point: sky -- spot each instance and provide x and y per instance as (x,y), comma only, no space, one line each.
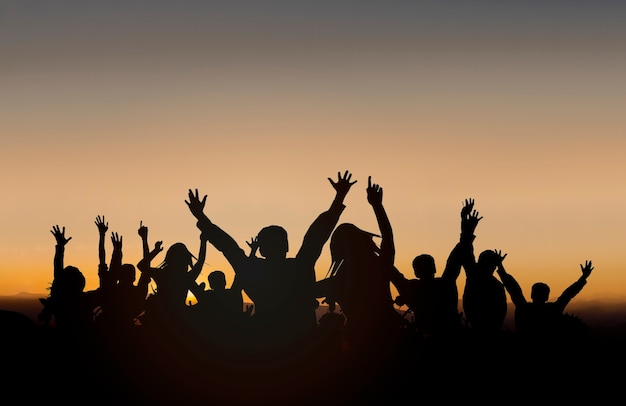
(119,108)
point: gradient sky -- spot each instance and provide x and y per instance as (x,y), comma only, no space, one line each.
(118,108)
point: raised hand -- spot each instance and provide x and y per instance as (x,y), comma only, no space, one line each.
(196,206)
(143,230)
(117,241)
(59,235)
(249,309)
(158,247)
(500,256)
(586,270)
(469,222)
(467,208)
(103,226)
(254,245)
(343,184)
(374,193)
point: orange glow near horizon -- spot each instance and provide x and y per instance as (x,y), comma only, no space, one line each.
(529,124)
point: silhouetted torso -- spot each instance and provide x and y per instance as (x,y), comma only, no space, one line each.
(484,303)
(282,290)
(434,303)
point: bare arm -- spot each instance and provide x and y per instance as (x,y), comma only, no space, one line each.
(145,264)
(402,284)
(321,228)
(462,252)
(116,256)
(143,233)
(103,227)
(574,289)
(510,283)
(103,268)
(342,187)
(375,199)
(221,240)
(144,279)
(59,235)
(197,268)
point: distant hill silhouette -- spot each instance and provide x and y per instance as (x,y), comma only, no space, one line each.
(23,302)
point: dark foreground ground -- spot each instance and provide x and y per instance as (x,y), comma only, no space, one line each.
(39,365)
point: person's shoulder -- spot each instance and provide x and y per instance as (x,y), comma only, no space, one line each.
(249,266)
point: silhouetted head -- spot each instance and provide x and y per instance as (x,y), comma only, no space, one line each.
(540,292)
(178,256)
(127,274)
(349,241)
(217,280)
(488,261)
(273,242)
(424,266)
(69,281)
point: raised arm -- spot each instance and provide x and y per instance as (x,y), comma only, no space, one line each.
(221,240)
(462,252)
(321,228)
(143,233)
(510,284)
(254,246)
(145,277)
(469,221)
(116,256)
(144,265)
(342,187)
(375,199)
(574,289)
(103,268)
(103,227)
(59,253)
(197,267)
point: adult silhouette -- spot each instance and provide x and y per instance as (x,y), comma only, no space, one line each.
(539,318)
(484,297)
(281,288)
(122,300)
(174,278)
(360,280)
(434,300)
(69,306)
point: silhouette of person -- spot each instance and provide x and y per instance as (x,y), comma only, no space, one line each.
(281,288)
(123,301)
(174,278)
(434,300)
(219,313)
(69,306)
(540,318)
(484,296)
(360,281)
(228,300)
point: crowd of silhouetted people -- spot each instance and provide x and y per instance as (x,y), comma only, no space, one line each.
(137,337)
